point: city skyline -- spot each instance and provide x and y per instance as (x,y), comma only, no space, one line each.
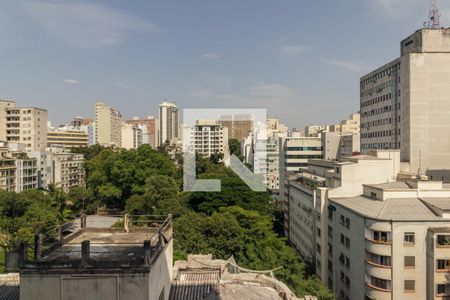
(142,53)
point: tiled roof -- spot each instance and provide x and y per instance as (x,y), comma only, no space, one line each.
(194,285)
(202,278)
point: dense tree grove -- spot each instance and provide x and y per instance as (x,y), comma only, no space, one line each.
(235,221)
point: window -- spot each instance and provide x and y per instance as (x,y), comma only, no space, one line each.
(380,283)
(319,249)
(380,236)
(342,276)
(378,259)
(409,238)
(441,289)
(443,240)
(318,232)
(347,282)
(443,264)
(410,285)
(347,223)
(373,195)
(342,239)
(410,261)
(347,242)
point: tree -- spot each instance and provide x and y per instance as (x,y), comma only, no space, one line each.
(233,192)
(161,197)
(235,148)
(115,175)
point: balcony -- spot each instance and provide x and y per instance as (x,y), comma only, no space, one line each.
(380,247)
(380,271)
(377,293)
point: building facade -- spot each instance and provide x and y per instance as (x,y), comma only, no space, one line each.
(168,128)
(70,138)
(131,136)
(239,126)
(108,125)
(149,130)
(404,104)
(209,137)
(27,125)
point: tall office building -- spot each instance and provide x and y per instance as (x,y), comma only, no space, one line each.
(405,103)
(108,125)
(26,125)
(168,128)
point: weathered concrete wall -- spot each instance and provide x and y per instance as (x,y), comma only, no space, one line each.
(84,286)
(161,274)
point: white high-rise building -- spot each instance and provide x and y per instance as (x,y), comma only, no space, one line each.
(108,125)
(209,137)
(168,128)
(405,103)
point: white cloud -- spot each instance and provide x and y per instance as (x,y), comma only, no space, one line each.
(294,50)
(71,81)
(85,24)
(211,56)
(348,65)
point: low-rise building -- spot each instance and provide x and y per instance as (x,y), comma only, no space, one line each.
(67,138)
(216,279)
(96,261)
(68,170)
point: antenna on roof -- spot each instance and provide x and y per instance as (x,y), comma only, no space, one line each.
(433,16)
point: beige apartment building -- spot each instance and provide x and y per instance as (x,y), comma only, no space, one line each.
(352,125)
(4,105)
(405,103)
(108,125)
(371,230)
(131,136)
(68,170)
(26,125)
(67,138)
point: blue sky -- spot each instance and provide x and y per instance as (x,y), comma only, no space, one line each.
(300,59)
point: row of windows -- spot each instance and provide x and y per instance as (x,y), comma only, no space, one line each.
(379,122)
(375,100)
(382,74)
(303,148)
(384,145)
